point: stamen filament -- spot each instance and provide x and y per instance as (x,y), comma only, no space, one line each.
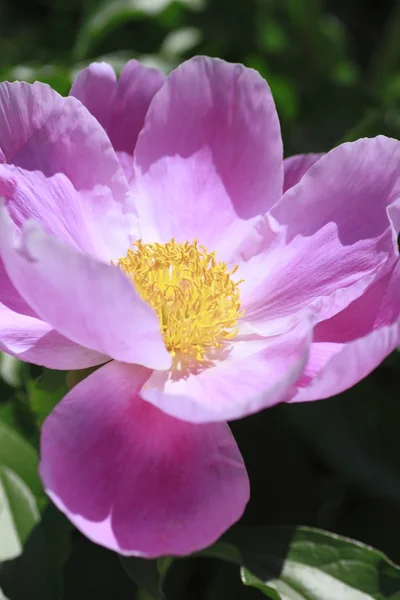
(193,294)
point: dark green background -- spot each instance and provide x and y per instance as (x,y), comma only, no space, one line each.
(334,69)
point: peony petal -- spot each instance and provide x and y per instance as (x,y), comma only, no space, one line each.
(256,374)
(134,479)
(337,234)
(92,303)
(60,169)
(177,199)
(95,87)
(296,166)
(34,341)
(9,295)
(345,365)
(225,114)
(120,106)
(136,88)
(347,347)
(126,161)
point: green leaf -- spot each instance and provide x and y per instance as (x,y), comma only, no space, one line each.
(18,513)
(180,41)
(45,392)
(221,581)
(17,416)
(222,550)
(143,594)
(7,415)
(385,60)
(357,433)
(270,35)
(108,15)
(10,369)
(230,553)
(147,574)
(38,573)
(93,572)
(375,122)
(2,596)
(19,456)
(310,564)
(271,593)
(74,377)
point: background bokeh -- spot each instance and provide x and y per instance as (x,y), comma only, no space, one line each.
(334,70)
(332,64)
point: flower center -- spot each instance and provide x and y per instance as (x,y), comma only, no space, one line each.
(193,295)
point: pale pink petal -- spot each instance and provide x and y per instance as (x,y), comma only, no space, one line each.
(336,234)
(120,106)
(9,295)
(95,87)
(255,374)
(60,169)
(134,479)
(350,345)
(184,199)
(218,118)
(34,341)
(345,365)
(126,161)
(296,166)
(92,303)
(136,88)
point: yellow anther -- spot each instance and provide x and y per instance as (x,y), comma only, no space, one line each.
(193,295)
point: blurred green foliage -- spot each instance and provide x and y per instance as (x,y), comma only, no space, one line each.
(334,69)
(333,66)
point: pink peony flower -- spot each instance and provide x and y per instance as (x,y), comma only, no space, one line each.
(144,229)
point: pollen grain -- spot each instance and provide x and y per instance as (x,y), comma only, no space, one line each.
(193,294)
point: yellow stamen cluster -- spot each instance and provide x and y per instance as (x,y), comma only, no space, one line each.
(193,295)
